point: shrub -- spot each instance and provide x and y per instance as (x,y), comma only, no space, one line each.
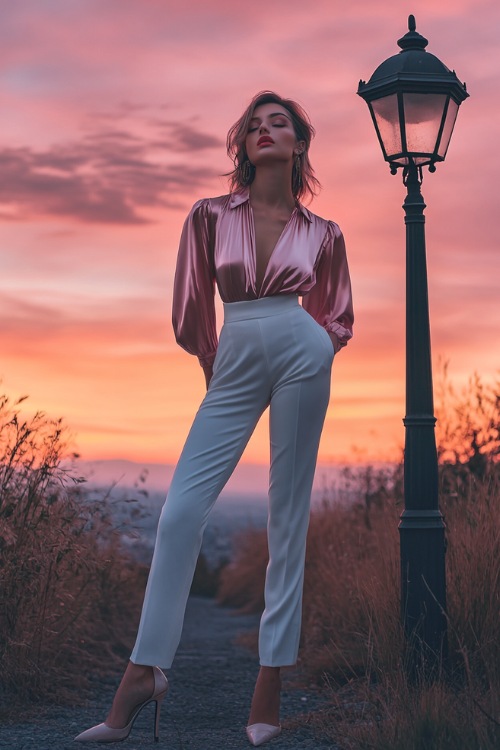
(241,582)
(66,591)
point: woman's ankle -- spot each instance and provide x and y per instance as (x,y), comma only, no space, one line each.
(270,671)
(265,706)
(135,686)
(138,671)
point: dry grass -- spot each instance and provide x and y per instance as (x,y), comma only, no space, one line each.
(395,716)
(66,591)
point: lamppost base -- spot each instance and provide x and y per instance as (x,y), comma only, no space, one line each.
(423,594)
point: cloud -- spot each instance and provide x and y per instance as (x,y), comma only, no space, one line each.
(184,137)
(111,175)
(128,323)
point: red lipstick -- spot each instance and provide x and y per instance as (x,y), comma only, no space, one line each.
(264,139)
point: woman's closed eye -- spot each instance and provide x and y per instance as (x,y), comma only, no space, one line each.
(275,124)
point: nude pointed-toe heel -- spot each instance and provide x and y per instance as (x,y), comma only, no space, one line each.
(103,733)
(260,733)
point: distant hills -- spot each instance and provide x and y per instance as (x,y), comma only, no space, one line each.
(242,504)
(248,479)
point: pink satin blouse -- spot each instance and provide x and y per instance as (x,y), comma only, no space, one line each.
(217,246)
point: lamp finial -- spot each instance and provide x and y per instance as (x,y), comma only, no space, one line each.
(412,39)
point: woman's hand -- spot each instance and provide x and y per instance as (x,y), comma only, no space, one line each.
(335,341)
(209,371)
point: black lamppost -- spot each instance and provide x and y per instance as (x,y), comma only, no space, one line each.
(414,100)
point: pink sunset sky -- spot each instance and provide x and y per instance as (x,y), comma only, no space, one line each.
(114,116)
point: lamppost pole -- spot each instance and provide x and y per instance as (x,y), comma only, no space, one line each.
(413,100)
(422,528)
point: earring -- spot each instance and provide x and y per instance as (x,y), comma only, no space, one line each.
(297,174)
(246,171)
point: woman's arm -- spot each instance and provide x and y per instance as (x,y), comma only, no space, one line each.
(330,300)
(193,309)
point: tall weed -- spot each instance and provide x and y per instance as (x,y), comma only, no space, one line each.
(66,590)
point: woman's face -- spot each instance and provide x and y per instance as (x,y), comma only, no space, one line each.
(271,136)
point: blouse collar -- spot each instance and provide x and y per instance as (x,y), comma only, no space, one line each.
(243,196)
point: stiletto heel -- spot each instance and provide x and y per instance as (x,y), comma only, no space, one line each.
(158,703)
(103,733)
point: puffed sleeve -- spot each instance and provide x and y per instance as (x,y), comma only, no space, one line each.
(330,300)
(193,309)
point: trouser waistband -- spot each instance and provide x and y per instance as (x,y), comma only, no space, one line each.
(263,307)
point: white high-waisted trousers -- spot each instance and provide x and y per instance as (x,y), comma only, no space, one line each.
(271,353)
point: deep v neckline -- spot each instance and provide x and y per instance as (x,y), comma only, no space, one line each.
(258,289)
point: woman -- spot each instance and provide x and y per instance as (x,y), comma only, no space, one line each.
(263,249)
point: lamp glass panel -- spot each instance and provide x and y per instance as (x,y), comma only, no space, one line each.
(449,124)
(423,114)
(387,119)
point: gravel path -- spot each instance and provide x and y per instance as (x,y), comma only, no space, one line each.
(211,684)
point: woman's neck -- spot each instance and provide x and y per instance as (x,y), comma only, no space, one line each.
(272,187)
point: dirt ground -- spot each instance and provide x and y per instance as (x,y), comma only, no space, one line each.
(211,684)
